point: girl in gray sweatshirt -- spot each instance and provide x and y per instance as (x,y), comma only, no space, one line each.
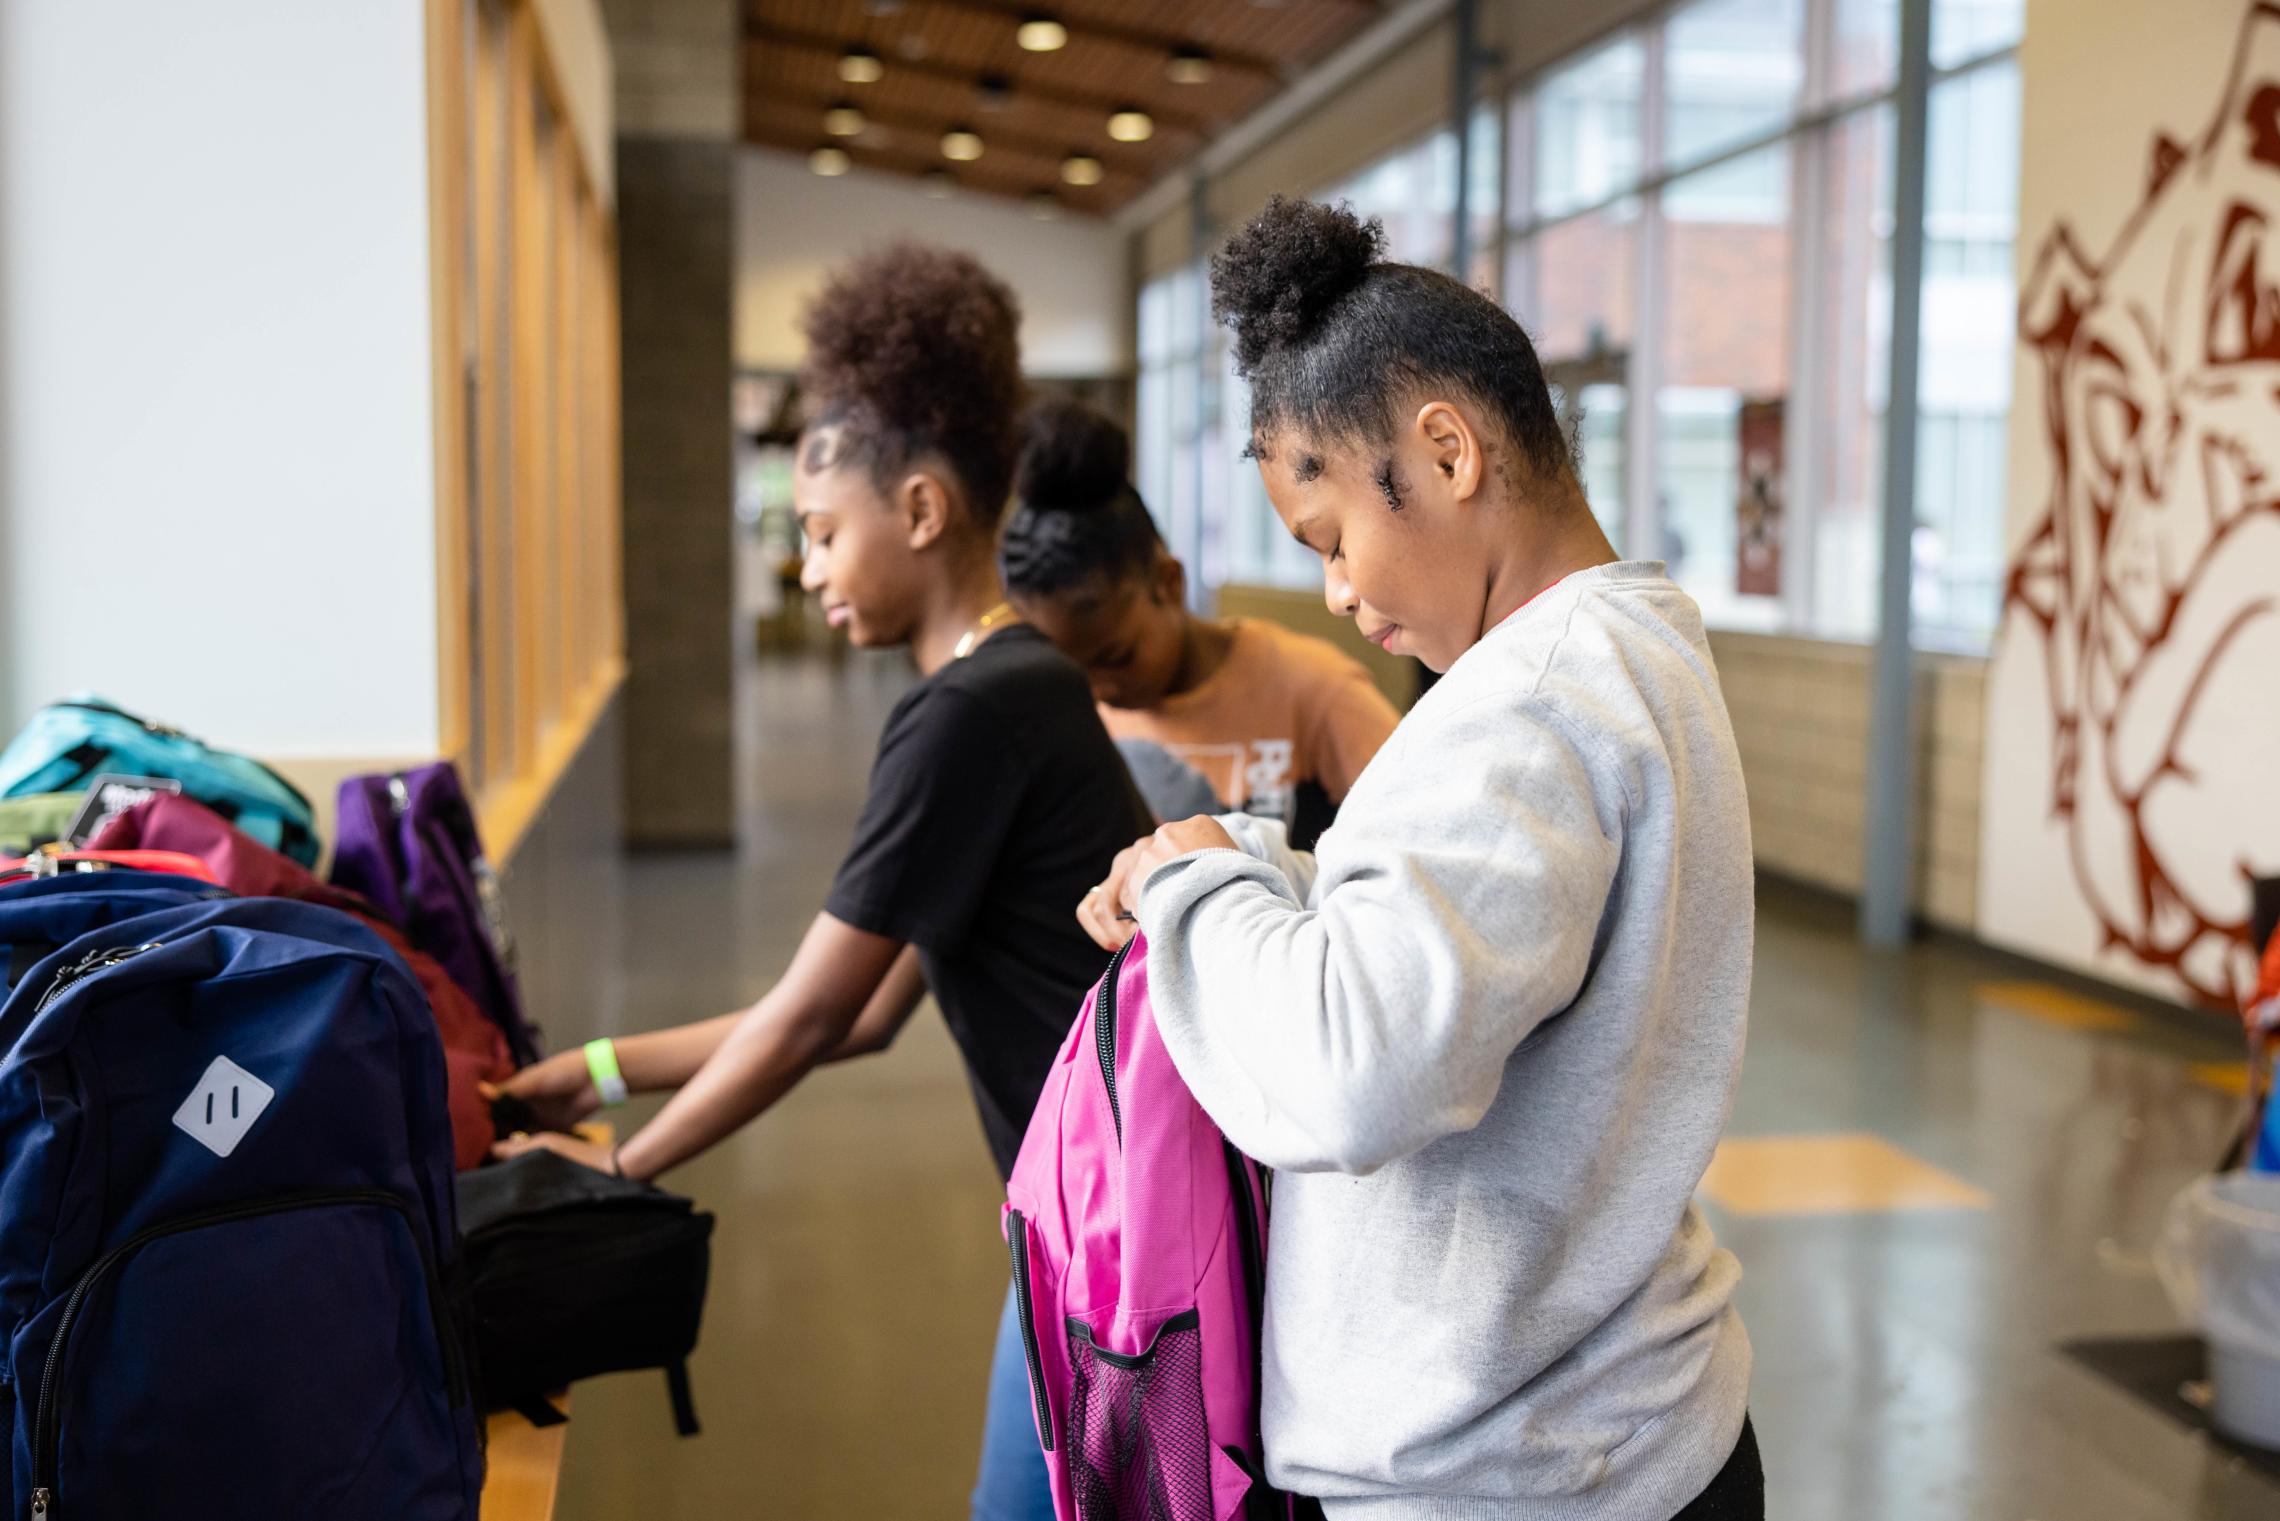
(1488,1032)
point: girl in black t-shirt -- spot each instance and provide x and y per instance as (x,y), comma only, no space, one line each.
(996,798)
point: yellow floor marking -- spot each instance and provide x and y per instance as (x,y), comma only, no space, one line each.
(2228,1078)
(2056,1006)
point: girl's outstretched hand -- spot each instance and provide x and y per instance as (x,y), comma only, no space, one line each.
(1107,911)
(559,1090)
(577,1148)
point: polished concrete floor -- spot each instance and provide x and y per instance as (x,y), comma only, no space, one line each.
(1939,1169)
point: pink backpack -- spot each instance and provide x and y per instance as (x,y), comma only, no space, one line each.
(1138,1237)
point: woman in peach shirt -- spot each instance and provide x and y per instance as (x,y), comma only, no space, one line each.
(1213,716)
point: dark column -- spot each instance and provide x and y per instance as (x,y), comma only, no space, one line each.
(675,237)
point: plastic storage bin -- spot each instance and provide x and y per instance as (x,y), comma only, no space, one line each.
(2220,1260)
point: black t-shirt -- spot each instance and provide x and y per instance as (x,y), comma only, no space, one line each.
(996,800)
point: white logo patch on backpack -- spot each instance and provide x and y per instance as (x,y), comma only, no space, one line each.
(223,1107)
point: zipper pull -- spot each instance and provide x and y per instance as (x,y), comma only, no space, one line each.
(87,966)
(399,796)
(39,1505)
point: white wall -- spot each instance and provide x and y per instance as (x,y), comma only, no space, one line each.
(216,470)
(792,227)
(2132,739)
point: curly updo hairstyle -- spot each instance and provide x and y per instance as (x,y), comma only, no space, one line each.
(1076,519)
(1332,338)
(914,351)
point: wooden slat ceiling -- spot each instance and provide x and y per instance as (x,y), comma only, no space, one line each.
(938,53)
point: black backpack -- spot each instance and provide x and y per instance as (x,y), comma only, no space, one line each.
(571,1272)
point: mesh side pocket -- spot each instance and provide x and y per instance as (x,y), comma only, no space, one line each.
(1138,1447)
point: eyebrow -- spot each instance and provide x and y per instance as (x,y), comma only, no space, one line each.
(1304,526)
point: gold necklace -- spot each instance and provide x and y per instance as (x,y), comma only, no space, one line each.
(982,625)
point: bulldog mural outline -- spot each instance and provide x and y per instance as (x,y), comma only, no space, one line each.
(2150,577)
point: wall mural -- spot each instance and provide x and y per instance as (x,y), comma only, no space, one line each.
(2148,578)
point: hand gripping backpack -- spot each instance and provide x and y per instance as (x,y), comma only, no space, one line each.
(408,842)
(1138,1238)
(474,1049)
(226,1172)
(68,744)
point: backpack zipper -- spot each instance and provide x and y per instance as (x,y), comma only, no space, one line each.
(1252,1243)
(168,731)
(1253,1240)
(1104,1035)
(45,1436)
(87,966)
(1017,1240)
(164,731)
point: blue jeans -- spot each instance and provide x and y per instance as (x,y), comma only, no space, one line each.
(1013,1485)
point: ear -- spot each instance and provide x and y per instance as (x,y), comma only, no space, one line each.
(925,506)
(1167,585)
(1452,444)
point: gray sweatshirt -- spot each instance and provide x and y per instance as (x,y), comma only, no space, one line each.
(1489,1033)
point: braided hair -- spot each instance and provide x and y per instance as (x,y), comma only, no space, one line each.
(1076,518)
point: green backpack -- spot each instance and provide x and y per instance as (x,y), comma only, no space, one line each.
(26,823)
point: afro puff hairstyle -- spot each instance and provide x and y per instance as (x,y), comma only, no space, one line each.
(1076,519)
(1332,338)
(914,351)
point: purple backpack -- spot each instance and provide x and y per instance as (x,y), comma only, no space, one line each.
(408,842)
(1138,1236)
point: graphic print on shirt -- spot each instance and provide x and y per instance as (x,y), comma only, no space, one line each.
(1182,780)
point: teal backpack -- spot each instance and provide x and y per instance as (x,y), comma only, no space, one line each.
(70,743)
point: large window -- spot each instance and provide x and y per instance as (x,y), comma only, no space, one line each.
(1705,220)
(1172,342)
(1693,220)
(531,636)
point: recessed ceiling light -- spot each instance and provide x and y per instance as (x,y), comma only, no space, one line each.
(938,183)
(844,119)
(1081,168)
(1040,33)
(860,66)
(1045,206)
(1130,124)
(994,91)
(830,162)
(1188,66)
(962,143)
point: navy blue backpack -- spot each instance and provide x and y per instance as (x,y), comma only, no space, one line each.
(225,1281)
(41,915)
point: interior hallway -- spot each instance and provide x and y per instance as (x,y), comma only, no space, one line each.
(1938,1170)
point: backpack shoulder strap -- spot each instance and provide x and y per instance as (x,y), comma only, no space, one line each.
(684,1405)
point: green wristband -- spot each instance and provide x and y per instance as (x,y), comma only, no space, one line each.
(602,1066)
